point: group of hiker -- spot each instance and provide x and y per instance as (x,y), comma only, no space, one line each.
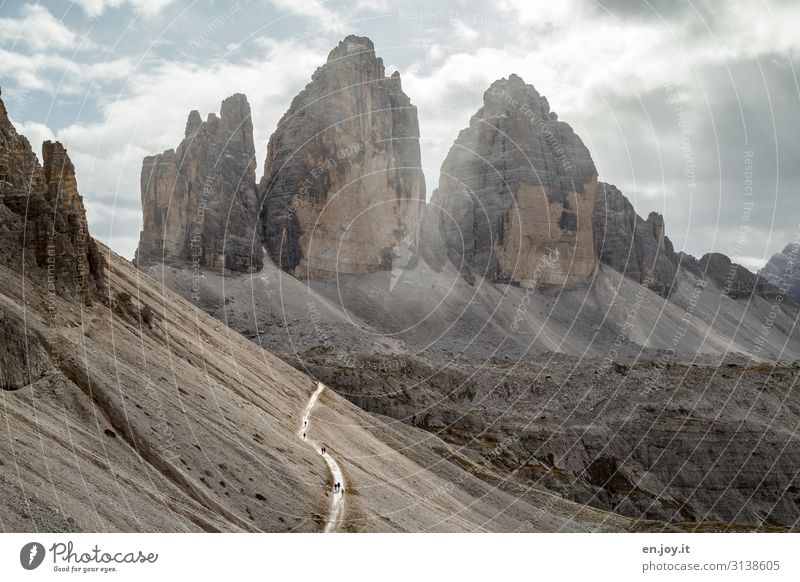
(337,487)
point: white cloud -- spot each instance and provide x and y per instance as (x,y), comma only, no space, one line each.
(463,32)
(544,13)
(57,74)
(39,30)
(372,5)
(316,10)
(145,7)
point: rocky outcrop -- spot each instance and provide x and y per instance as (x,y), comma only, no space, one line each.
(199,201)
(733,279)
(44,233)
(783,271)
(23,357)
(516,194)
(633,246)
(343,190)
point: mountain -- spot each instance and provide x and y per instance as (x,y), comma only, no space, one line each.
(516,194)
(125,408)
(540,326)
(783,272)
(343,192)
(199,201)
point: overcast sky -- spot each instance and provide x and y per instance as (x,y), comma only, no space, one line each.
(669,96)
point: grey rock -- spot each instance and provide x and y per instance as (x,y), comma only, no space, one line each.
(199,201)
(343,191)
(516,194)
(23,358)
(732,278)
(43,229)
(633,246)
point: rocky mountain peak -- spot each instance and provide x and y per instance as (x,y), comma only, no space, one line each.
(45,234)
(193,123)
(783,271)
(504,94)
(353,45)
(199,201)
(235,109)
(516,194)
(342,187)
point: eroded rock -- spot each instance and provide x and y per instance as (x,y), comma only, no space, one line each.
(44,233)
(199,200)
(635,247)
(516,194)
(343,190)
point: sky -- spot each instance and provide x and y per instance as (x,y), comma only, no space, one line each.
(691,108)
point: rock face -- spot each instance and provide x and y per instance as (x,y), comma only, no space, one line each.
(199,201)
(343,191)
(633,246)
(733,279)
(783,271)
(44,233)
(516,194)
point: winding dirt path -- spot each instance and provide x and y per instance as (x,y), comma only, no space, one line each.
(337,499)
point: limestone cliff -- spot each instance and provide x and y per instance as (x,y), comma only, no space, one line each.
(343,191)
(199,201)
(44,234)
(635,247)
(516,194)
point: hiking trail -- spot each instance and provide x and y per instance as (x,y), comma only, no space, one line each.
(337,501)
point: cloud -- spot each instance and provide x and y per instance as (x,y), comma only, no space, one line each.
(146,7)
(54,73)
(372,4)
(39,30)
(315,10)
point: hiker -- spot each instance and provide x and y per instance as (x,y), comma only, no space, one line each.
(304,436)
(323,450)
(305,423)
